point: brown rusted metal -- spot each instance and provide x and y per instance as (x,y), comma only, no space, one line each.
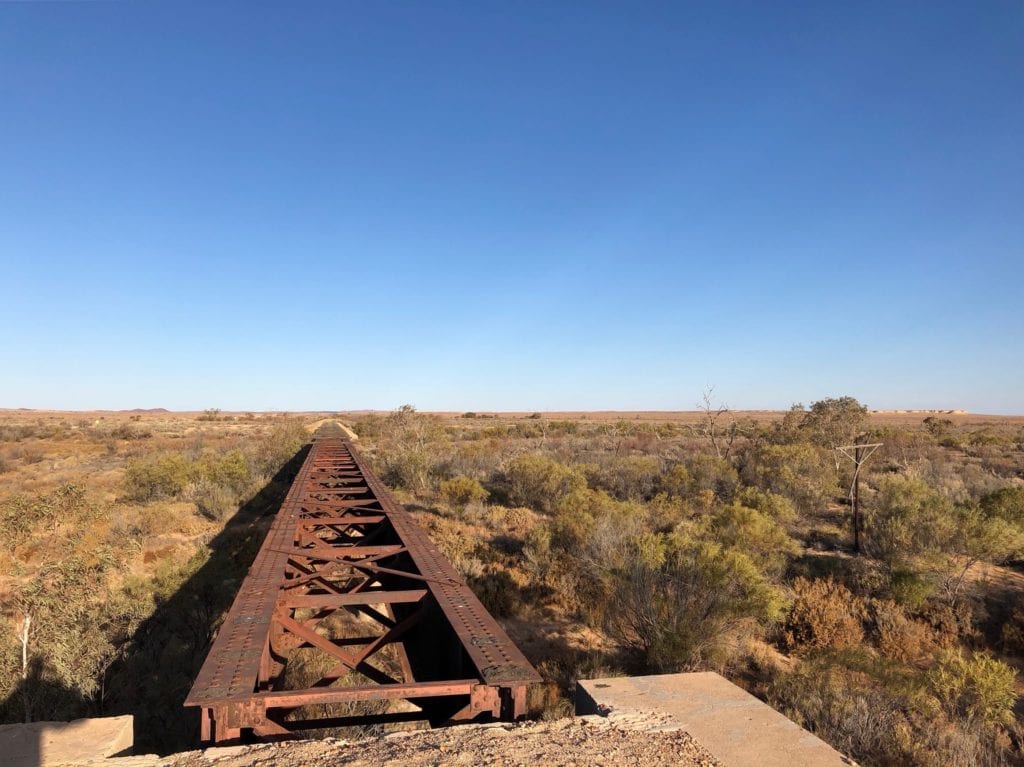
(340,545)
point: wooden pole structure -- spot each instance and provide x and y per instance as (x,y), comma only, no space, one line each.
(859,455)
(856,500)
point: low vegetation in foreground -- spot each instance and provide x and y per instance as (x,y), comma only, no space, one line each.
(613,547)
(126,539)
(604,547)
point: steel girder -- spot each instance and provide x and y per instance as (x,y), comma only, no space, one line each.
(341,546)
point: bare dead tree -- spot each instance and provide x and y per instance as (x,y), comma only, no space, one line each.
(717,423)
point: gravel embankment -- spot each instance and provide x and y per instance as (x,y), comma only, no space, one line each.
(577,742)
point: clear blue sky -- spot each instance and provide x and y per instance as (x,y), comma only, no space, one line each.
(511,205)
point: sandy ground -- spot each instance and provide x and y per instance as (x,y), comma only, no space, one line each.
(879,417)
(580,742)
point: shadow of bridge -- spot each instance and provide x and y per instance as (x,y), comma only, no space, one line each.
(158,663)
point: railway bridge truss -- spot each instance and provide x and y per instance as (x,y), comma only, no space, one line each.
(349,615)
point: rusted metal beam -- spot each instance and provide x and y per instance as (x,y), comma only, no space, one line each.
(286,699)
(326,552)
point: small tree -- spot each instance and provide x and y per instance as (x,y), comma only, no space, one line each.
(833,422)
(675,604)
(980,537)
(716,424)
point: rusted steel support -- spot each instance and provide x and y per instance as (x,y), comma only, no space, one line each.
(341,559)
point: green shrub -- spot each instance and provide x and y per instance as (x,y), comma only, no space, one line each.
(152,477)
(675,603)
(708,473)
(907,519)
(22,515)
(910,589)
(540,482)
(461,491)
(980,688)
(755,534)
(408,469)
(834,422)
(776,506)
(537,551)
(229,470)
(676,482)
(876,722)
(1006,503)
(803,473)
(275,449)
(591,524)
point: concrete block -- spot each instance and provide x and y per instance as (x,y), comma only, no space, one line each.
(737,728)
(43,744)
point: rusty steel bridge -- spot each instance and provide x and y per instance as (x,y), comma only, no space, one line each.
(346,571)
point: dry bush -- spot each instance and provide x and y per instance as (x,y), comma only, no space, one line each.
(479,458)
(629,478)
(518,519)
(951,622)
(128,432)
(31,454)
(1011,633)
(553,699)
(498,590)
(878,723)
(899,637)
(213,501)
(825,614)
(305,667)
(547,702)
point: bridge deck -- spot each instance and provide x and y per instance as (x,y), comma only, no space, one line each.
(341,543)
